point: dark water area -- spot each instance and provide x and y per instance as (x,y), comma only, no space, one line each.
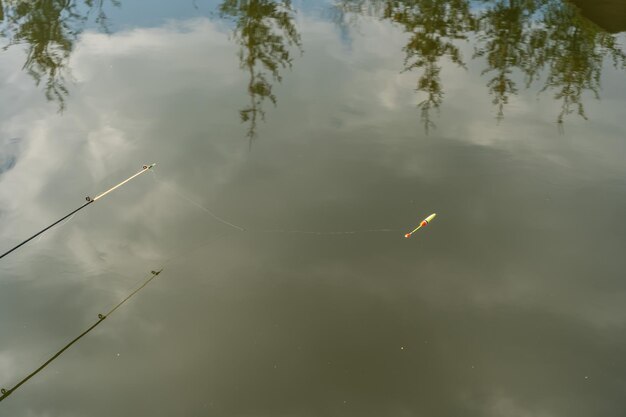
(610,15)
(296,144)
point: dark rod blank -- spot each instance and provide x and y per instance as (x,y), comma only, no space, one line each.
(43,230)
(89,201)
(6,392)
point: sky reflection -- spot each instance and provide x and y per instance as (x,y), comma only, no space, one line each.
(511,304)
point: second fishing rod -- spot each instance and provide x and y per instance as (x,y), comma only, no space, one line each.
(89,201)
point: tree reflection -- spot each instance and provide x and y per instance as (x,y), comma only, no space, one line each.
(527,40)
(48,30)
(507,42)
(433,26)
(575,51)
(536,35)
(265,32)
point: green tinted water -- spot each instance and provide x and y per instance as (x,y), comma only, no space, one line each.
(326,131)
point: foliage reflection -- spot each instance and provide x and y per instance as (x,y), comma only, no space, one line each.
(541,41)
(548,44)
(265,32)
(48,30)
(432,27)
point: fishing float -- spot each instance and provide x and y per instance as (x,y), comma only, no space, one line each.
(89,201)
(422,224)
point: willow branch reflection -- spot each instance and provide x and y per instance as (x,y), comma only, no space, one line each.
(533,36)
(575,51)
(433,26)
(48,29)
(532,40)
(507,42)
(265,32)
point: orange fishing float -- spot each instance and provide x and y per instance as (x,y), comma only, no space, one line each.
(422,224)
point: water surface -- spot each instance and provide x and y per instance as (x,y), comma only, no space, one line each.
(326,131)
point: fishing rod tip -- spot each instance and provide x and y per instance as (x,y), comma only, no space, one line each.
(149,166)
(408,235)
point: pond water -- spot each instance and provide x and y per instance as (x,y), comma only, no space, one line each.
(296,144)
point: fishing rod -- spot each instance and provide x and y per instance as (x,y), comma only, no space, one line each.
(4,393)
(89,201)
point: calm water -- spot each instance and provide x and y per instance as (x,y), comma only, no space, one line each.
(326,131)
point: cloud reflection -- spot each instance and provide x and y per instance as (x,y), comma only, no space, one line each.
(266,32)
(548,43)
(48,30)
(495,307)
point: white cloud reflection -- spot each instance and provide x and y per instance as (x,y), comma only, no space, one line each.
(339,141)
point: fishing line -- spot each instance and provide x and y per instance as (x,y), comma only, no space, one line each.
(89,201)
(307,232)
(6,392)
(245,229)
(195,203)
